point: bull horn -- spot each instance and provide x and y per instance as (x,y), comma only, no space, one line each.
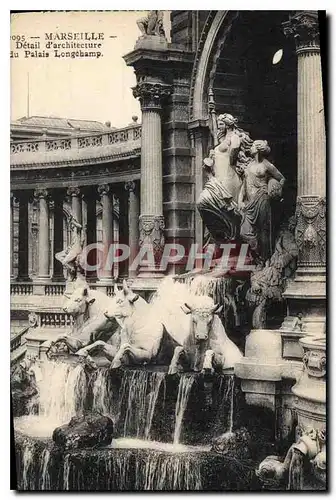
(217,308)
(187,306)
(134,298)
(67,295)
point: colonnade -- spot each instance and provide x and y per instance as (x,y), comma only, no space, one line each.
(117,201)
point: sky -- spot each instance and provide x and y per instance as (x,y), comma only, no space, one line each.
(92,89)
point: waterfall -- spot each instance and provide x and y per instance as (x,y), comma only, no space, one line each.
(185,384)
(230,393)
(138,396)
(169,472)
(66,473)
(27,465)
(44,471)
(101,396)
(62,391)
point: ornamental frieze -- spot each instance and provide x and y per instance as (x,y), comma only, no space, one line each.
(151,229)
(310,230)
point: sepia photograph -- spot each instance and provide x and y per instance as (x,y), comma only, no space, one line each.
(168,250)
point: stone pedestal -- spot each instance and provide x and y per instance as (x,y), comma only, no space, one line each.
(310,390)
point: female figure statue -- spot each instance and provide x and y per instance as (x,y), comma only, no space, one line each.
(262,182)
(217,203)
(68,257)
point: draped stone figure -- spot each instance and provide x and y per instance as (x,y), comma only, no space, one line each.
(69,256)
(225,166)
(152,25)
(262,183)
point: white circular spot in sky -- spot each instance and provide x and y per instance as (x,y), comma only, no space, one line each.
(277,56)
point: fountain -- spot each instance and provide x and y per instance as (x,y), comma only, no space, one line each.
(154,396)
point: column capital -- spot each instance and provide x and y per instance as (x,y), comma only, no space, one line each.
(41,193)
(304,27)
(151,94)
(103,189)
(130,186)
(73,191)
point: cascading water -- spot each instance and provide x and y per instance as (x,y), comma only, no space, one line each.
(101,395)
(45,483)
(62,391)
(230,394)
(185,384)
(138,396)
(170,472)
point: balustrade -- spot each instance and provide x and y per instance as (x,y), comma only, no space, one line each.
(79,142)
(21,289)
(16,340)
(54,290)
(55,320)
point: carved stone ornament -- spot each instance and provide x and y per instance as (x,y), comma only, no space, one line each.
(151,228)
(103,189)
(151,94)
(310,231)
(304,27)
(32,319)
(73,191)
(315,363)
(41,193)
(130,186)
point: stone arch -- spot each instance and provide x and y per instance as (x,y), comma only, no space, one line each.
(215,31)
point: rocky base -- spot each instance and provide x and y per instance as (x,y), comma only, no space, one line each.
(90,430)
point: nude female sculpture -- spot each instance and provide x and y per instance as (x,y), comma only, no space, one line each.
(217,203)
(262,182)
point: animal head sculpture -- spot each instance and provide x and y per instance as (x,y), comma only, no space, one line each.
(78,301)
(122,305)
(202,313)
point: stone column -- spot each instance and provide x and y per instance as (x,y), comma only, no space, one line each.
(123,236)
(151,221)
(23,237)
(91,229)
(58,274)
(107,228)
(309,283)
(76,202)
(133,222)
(43,231)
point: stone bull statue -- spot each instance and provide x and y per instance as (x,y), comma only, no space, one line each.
(90,323)
(207,347)
(143,337)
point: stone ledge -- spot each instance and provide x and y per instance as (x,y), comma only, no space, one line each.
(177,152)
